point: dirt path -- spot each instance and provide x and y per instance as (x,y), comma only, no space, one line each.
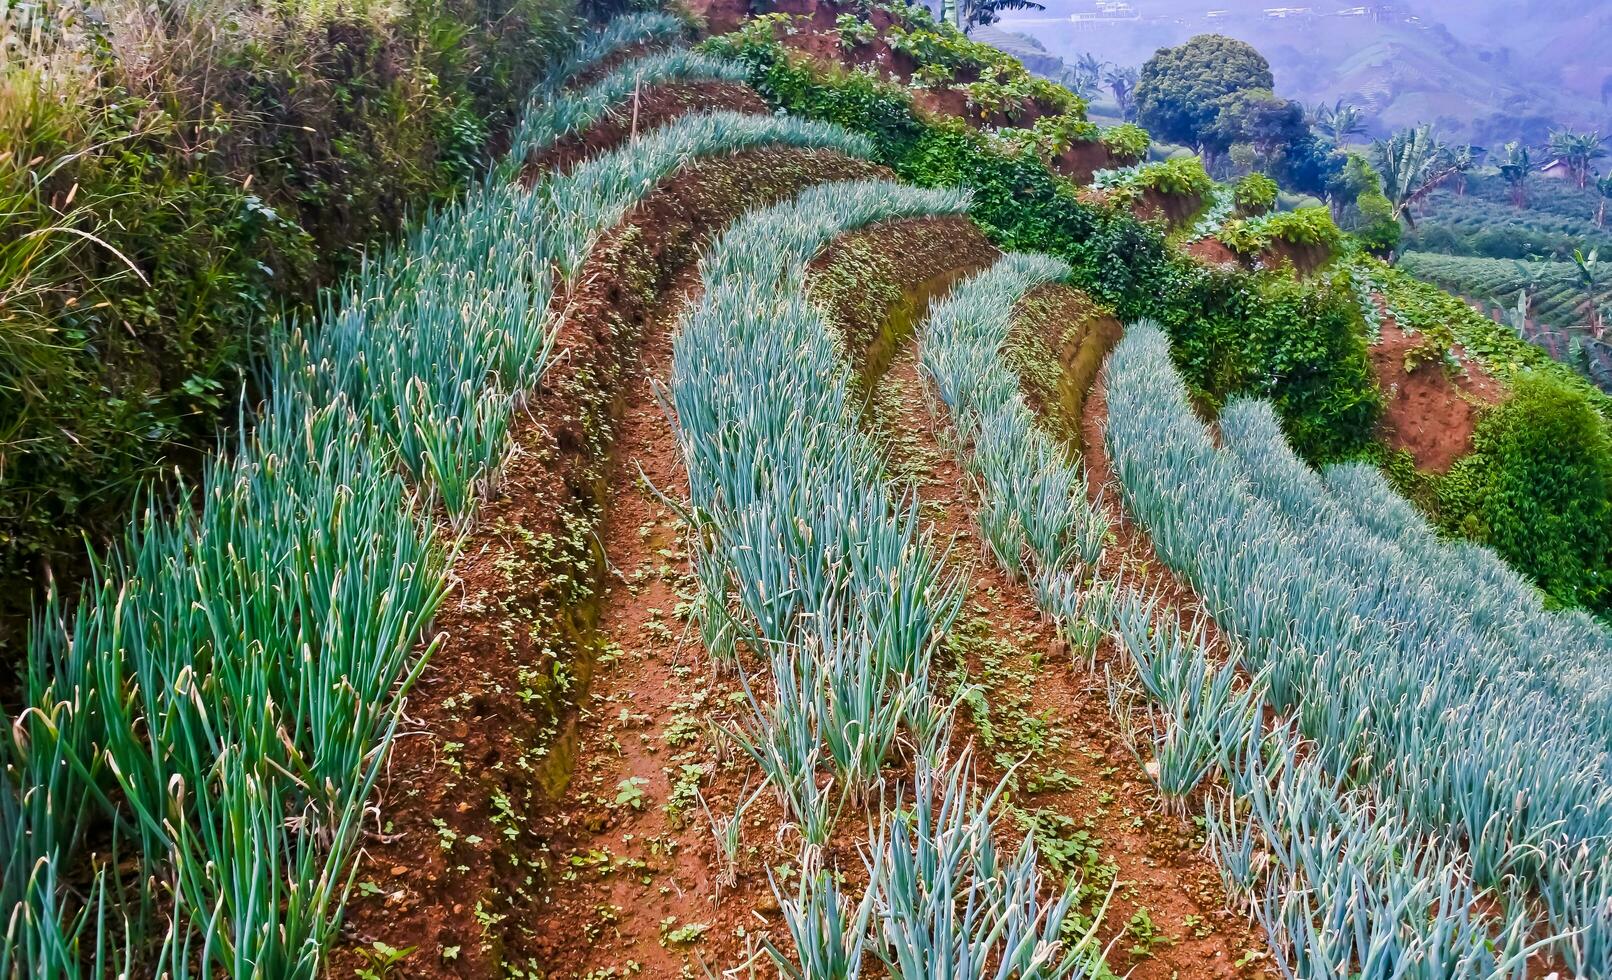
(637,889)
(1078,790)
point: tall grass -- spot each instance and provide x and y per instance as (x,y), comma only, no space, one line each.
(219,703)
(1480,727)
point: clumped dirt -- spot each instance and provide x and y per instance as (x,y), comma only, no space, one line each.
(1081,160)
(460,853)
(1304,258)
(1432,411)
(655,106)
(1175,210)
(1212,251)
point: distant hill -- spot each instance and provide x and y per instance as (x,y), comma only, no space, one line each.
(1484,71)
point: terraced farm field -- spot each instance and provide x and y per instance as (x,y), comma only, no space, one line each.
(1555,295)
(707,548)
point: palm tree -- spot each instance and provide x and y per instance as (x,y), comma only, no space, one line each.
(1413,162)
(1577,150)
(1515,166)
(1122,82)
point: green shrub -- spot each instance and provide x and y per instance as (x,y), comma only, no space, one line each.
(224,184)
(1537,487)
(1181,175)
(1255,193)
(1306,226)
(1127,140)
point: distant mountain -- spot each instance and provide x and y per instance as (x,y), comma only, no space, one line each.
(1483,70)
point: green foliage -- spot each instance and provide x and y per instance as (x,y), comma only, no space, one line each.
(1234,331)
(1180,92)
(1554,293)
(210,217)
(1422,307)
(1306,226)
(1127,140)
(1537,488)
(1255,193)
(1055,134)
(1183,176)
(854,31)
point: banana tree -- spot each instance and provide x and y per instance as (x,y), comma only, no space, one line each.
(1413,164)
(1591,274)
(1578,151)
(1515,166)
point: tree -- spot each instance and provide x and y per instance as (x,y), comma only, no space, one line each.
(1413,163)
(1338,121)
(1577,150)
(1179,91)
(1258,117)
(964,14)
(1122,82)
(1084,76)
(1604,188)
(1590,271)
(1515,166)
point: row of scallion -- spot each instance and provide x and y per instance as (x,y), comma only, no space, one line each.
(1034,515)
(1437,798)
(205,725)
(552,117)
(1348,872)
(807,559)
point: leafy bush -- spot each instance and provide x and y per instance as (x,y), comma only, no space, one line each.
(224,181)
(1306,226)
(1183,176)
(1255,193)
(1537,487)
(1127,140)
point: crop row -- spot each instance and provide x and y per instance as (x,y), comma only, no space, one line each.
(805,555)
(1325,866)
(1438,702)
(222,698)
(1555,295)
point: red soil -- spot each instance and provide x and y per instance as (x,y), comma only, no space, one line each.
(1212,251)
(462,852)
(1432,411)
(656,106)
(1157,857)
(1081,160)
(1174,209)
(1304,258)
